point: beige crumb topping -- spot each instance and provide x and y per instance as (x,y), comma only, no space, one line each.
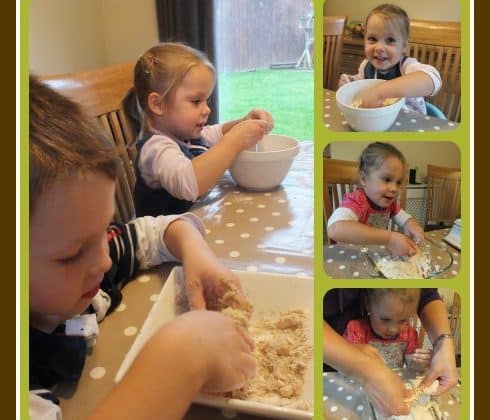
(283,349)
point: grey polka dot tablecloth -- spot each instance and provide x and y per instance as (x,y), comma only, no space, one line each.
(356,261)
(251,231)
(406,120)
(345,399)
(264,231)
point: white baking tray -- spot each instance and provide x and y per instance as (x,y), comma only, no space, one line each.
(269,294)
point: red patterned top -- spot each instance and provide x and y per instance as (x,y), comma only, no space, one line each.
(358,331)
(358,202)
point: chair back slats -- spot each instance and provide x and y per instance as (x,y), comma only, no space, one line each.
(333,31)
(438,43)
(101,93)
(339,178)
(443,195)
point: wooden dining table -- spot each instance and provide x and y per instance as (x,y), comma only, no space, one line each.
(357,261)
(268,231)
(344,398)
(406,120)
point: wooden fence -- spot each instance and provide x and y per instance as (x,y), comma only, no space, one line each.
(253,34)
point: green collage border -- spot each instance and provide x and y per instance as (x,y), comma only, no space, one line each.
(461,137)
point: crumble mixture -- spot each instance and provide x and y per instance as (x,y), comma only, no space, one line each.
(417,266)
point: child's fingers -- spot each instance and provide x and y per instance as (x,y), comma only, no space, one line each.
(195,294)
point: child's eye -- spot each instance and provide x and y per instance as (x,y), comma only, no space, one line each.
(72,258)
(391,40)
(371,39)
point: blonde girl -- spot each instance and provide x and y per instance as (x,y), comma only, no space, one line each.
(180,157)
(387,328)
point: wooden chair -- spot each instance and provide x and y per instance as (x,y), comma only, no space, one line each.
(101,92)
(443,195)
(454,318)
(333,31)
(339,178)
(438,43)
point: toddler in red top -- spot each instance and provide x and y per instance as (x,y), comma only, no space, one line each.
(387,328)
(365,214)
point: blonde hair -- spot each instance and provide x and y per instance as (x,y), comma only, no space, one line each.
(163,67)
(63,141)
(409,297)
(373,156)
(394,17)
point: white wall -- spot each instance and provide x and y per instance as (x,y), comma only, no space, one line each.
(416,9)
(74,35)
(129,29)
(65,36)
(417,154)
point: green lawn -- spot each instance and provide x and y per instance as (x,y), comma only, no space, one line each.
(286,94)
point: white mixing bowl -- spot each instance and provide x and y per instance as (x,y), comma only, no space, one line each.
(366,119)
(265,169)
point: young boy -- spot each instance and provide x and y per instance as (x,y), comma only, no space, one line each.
(77,266)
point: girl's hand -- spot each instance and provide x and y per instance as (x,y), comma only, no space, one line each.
(260,114)
(401,245)
(420,360)
(247,133)
(372,99)
(413,229)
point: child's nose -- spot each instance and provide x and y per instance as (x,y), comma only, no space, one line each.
(206,109)
(102,261)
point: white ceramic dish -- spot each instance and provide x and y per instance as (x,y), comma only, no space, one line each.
(366,119)
(269,293)
(265,168)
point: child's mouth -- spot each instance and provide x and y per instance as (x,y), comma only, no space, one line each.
(92,292)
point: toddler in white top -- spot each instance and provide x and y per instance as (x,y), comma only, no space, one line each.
(385,40)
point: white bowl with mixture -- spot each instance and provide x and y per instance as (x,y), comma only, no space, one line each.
(265,167)
(366,119)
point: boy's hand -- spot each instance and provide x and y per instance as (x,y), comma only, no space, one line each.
(401,245)
(247,133)
(260,114)
(413,229)
(212,286)
(221,351)
(420,359)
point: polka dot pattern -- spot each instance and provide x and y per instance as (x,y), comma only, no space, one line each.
(97,372)
(354,261)
(130,331)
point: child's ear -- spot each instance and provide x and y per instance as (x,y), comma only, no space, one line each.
(362,178)
(155,104)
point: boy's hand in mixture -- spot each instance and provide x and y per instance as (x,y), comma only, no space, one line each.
(401,245)
(210,285)
(213,350)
